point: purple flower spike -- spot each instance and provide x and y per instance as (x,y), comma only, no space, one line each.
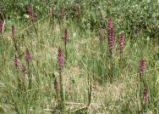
(141,66)
(55,84)
(121,41)
(23,68)
(100,32)
(52,11)
(60,58)
(49,12)
(66,36)
(78,10)
(62,13)
(1,26)
(109,24)
(30,13)
(145,94)
(27,56)
(16,61)
(110,34)
(13,30)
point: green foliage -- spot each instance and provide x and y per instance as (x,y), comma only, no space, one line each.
(15,9)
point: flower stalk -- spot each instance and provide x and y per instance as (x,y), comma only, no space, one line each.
(13,37)
(30,11)
(110,32)
(65,41)
(56,88)
(27,58)
(121,42)
(142,65)
(1,27)
(60,60)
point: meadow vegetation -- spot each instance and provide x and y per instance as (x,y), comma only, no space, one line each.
(79,56)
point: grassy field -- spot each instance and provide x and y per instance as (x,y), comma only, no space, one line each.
(73,61)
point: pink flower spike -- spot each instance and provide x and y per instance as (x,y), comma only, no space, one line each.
(49,12)
(110,31)
(30,13)
(109,24)
(52,11)
(141,66)
(55,84)
(1,26)
(66,36)
(78,10)
(145,94)
(62,13)
(60,58)
(16,61)
(23,68)
(121,41)
(100,31)
(27,56)
(13,30)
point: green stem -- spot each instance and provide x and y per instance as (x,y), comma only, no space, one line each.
(61,91)
(65,51)
(35,30)
(30,77)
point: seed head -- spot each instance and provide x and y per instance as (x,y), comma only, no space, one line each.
(60,58)
(142,65)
